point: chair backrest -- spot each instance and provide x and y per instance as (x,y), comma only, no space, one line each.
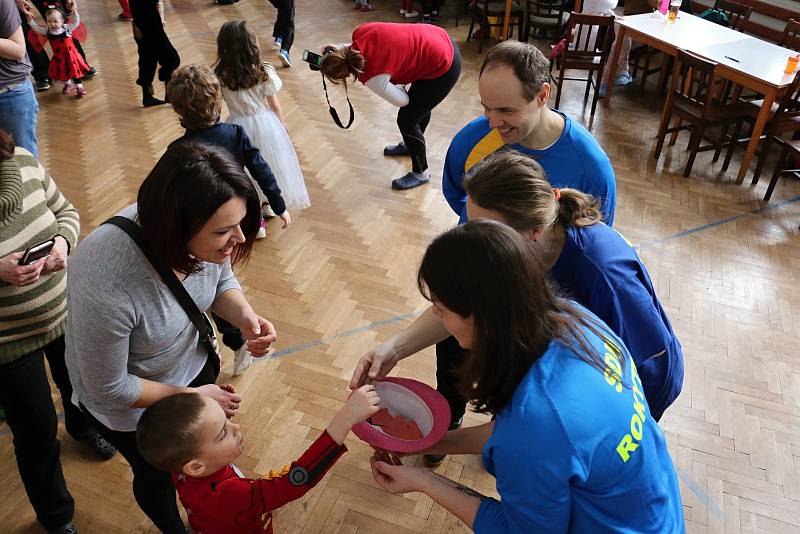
(694,81)
(590,38)
(789,105)
(546,9)
(738,14)
(791,35)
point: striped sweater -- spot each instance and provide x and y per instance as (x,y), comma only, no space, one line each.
(32,210)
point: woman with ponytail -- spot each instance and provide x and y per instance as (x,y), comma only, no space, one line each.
(590,261)
(386,57)
(571,443)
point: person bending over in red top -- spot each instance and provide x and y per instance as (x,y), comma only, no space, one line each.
(386,57)
(189,435)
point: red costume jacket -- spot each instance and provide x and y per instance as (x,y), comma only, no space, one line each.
(226,503)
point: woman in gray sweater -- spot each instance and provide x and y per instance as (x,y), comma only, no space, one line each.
(129,342)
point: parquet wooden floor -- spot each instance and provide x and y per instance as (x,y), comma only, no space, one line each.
(341,279)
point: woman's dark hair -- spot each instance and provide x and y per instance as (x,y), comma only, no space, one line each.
(239,64)
(342,63)
(515,185)
(486,270)
(6,146)
(183,191)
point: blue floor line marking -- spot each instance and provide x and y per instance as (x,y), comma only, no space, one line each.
(720,222)
(701,494)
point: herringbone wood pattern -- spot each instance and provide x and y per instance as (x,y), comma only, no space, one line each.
(341,279)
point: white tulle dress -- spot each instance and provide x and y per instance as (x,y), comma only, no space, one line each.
(249,109)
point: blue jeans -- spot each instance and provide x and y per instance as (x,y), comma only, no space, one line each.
(18,110)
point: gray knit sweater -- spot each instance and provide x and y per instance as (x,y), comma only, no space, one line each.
(32,210)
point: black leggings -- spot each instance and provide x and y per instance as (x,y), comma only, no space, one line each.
(152,488)
(423,96)
(152,43)
(284,24)
(449,357)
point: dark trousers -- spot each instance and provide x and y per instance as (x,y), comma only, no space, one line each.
(449,357)
(153,488)
(284,24)
(152,43)
(231,336)
(31,416)
(423,96)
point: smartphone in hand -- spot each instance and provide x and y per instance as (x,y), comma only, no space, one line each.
(36,252)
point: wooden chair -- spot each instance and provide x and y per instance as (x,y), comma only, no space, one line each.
(590,44)
(484,9)
(785,119)
(691,98)
(738,14)
(791,152)
(547,15)
(791,35)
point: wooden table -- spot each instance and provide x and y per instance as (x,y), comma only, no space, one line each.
(747,61)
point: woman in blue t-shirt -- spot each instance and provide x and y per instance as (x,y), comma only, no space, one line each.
(590,261)
(573,445)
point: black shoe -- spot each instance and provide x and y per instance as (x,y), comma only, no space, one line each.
(102,447)
(148,100)
(69,528)
(91,73)
(408,181)
(42,85)
(433,460)
(400,149)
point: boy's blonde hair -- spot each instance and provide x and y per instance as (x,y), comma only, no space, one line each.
(196,96)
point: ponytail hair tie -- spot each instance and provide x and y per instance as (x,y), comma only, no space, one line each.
(557,194)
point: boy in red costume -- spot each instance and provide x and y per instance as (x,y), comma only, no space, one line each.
(189,435)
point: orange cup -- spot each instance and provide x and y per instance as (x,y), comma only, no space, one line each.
(791,64)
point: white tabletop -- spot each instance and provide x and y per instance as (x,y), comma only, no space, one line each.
(688,32)
(752,57)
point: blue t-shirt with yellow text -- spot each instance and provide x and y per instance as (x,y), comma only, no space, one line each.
(577,451)
(575,160)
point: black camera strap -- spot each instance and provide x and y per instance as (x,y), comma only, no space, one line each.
(332,110)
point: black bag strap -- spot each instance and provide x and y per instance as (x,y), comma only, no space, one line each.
(197,317)
(332,110)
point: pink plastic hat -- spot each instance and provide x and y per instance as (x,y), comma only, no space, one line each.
(413,400)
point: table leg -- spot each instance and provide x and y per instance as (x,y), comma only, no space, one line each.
(506,19)
(761,121)
(614,62)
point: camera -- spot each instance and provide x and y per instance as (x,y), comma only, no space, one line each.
(314,60)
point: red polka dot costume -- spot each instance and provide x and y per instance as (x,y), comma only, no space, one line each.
(66,63)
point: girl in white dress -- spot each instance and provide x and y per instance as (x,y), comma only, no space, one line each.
(250,87)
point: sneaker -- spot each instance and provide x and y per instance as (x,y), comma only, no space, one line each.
(601,91)
(100,445)
(623,79)
(278,42)
(80,91)
(367,7)
(262,231)
(284,57)
(403,11)
(69,528)
(433,460)
(411,14)
(399,149)
(68,89)
(91,73)
(242,359)
(42,85)
(408,181)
